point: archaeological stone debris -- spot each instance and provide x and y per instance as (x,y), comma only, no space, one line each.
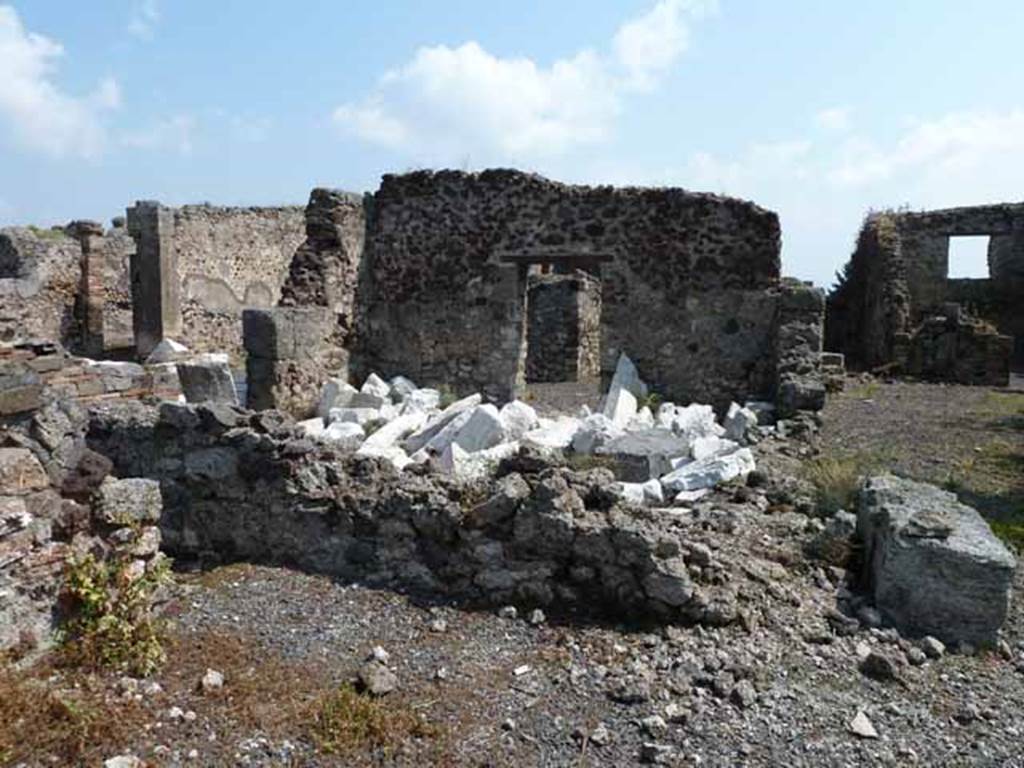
(493,389)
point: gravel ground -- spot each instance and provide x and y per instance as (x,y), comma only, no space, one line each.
(782,686)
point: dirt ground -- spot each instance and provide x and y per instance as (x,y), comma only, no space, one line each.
(967,439)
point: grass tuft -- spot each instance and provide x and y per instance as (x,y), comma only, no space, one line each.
(837,478)
(346,722)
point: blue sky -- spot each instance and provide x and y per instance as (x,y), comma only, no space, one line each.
(818,110)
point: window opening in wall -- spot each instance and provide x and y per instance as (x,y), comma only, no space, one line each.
(968,257)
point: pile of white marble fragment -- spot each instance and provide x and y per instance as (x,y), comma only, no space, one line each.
(682,452)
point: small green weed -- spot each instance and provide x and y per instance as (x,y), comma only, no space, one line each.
(111,623)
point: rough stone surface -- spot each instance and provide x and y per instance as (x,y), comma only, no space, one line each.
(263,497)
(931,563)
(898,277)
(207,379)
(445,301)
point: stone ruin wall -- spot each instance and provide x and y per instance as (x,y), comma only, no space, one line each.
(897,281)
(223,259)
(872,305)
(247,486)
(40,278)
(689,289)
(58,501)
(563,331)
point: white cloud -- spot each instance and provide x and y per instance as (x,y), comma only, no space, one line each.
(834,118)
(650,44)
(447,102)
(822,187)
(33,109)
(949,145)
(143,19)
(173,134)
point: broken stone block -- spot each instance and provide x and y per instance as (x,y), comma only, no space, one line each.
(375,385)
(553,433)
(518,418)
(369,400)
(346,435)
(420,438)
(648,494)
(128,501)
(646,454)
(167,351)
(483,429)
(689,497)
(336,393)
(393,431)
(628,378)
(312,427)
(710,472)
(691,422)
(596,431)
(478,465)
(439,442)
(620,406)
(800,393)
(706,447)
(738,422)
(644,419)
(361,416)
(421,399)
(932,564)
(400,388)
(207,378)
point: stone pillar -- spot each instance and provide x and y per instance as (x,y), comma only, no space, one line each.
(156,285)
(798,345)
(91,294)
(289,357)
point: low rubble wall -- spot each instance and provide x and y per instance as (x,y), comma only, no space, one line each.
(244,486)
(29,370)
(57,501)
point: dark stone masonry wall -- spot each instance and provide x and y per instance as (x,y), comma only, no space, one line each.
(689,280)
(563,333)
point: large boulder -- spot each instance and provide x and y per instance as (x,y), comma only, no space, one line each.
(931,563)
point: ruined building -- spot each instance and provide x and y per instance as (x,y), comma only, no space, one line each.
(896,306)
(479,282)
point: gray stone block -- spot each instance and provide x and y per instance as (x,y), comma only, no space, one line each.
(932,564)
(128,501)
(207,380)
